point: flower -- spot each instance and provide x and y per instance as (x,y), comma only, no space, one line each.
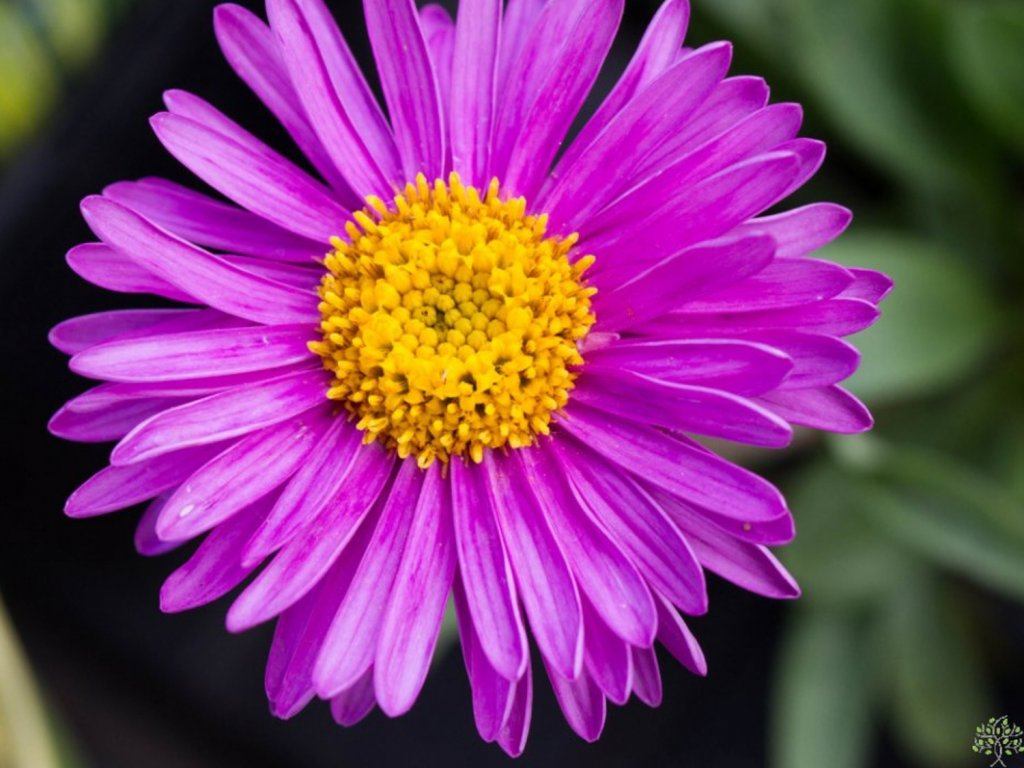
(453,363)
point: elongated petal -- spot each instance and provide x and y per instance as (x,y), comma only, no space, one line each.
(869,285)
(147,543)
(582,703)
(216,567)
(209,278)
(474,77)
(412,621)
(830,408)
(409,85)
(486,573)
(247,471)
(646,677)
(353,131)
(603,572)
(195,355)
(818,360)
(79,333)
(638,293)
(657,52)
(226,414)
(802,230)
(305,559)
(439,32)
(254,177)
(783,284)
(749,566)
(546,586)
(249,47)
(644,123)
(492,693)
(743,367)
(637,524)
(114,488)
(512,737)
(113,422)
(560,96)
(351,643)
(103,266)
(677,638)
(606,657)
(354,703)
(320,481)
(205,221)
(678,468)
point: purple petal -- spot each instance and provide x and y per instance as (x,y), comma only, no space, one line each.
(603,572)
(636,523)
(749,566)
(79,333)
(247,471)
(335,96)
(302,563)
(215,568)
(818,360)
(231,413)
(512,737)
(409,85)
(486,573)
(869,286)
(681,407)
(254,177)
(835,317)
(783,284)
(546,586)
(351,643)
(209,278)
(439,32)
(637,294)
(249,47)
(492,693)
(147,543)
(200,354)
(474,77)
(606,657)
(568,77)
(694,214)
(803,230)
(743,367)
(412,621)
(646,677)
(677,638)
(676,467)
(582,703)
(203,220)
(354,703)
(113,422)
(831,408)
(114,488)
(319,482)
(646,122)
(656,53)
(103,266)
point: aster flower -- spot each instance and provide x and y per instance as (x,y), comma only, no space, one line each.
(447,362)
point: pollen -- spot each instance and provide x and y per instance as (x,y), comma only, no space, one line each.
(451,321)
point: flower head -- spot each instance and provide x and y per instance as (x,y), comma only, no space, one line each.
(453,364)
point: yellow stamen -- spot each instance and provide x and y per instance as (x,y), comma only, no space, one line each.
(451,321)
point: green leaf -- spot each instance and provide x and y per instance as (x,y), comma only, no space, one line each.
(939,689)
(937,325)
(840,556)
(988,51)
(822,706)
(943,510)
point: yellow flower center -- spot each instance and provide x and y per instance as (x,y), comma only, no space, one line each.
(451,321)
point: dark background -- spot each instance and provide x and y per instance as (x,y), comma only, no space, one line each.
(132,687)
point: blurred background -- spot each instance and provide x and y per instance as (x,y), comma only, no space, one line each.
(911,540)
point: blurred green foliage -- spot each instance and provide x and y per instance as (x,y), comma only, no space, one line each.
(910,537)
(42,42)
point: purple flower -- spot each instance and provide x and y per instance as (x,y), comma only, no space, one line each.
(455,364)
